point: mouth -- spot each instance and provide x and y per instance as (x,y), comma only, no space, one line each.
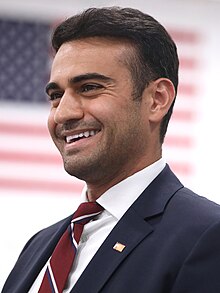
(81,135)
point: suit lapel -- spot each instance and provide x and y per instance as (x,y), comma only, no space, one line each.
(34,256)
(130,231)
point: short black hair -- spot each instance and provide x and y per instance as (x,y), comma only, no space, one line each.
(155,51)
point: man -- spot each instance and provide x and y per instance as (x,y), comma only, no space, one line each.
(112,88)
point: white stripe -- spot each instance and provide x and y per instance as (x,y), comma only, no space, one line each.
(74,242)
(52,278)
(85,216)
(72,234)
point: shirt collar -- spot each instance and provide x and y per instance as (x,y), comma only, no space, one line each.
(121,196)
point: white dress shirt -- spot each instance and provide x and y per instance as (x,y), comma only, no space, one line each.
(115,201)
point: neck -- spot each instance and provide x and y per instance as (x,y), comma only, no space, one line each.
(96,189)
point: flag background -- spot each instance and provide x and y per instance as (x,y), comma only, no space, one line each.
(35,191)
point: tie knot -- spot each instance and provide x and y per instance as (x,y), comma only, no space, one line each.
(86,212)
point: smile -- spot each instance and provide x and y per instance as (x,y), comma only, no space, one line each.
(85,134)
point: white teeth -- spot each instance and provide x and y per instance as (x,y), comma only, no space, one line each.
(69,138)
(86,134)
(80,135)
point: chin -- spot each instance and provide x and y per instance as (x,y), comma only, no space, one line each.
(73,169)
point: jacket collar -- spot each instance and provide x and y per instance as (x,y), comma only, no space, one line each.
(130,231)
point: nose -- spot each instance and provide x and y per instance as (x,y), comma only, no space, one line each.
(69,108)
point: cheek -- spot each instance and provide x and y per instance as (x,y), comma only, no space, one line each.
(98,110)
(51,124)
(105,109)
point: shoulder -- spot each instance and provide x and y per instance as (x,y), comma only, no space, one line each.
(182,202)
(189,203)
(199,233)
(48,234)
(189,215)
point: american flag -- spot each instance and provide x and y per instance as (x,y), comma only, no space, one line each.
(29,161)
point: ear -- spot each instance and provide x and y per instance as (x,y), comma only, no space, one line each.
(161,93)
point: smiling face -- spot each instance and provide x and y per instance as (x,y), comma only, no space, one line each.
(102,133)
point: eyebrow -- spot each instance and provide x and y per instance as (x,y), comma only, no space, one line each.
(51,86)
(79,78)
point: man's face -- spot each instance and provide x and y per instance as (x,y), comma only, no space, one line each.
(100,131)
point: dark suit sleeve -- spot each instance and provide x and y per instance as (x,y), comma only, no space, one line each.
(200,272)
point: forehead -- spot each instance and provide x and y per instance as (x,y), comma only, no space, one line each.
(95,54)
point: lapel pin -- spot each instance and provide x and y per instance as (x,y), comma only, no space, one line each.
(119,247)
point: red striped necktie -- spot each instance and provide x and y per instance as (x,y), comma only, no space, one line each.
(61,261)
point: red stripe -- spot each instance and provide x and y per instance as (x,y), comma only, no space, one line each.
(184,36)
(187,89)
(36,158)
(179,141)
(23,129)
(185,169)
(38,185)
(188,63)
(184,115)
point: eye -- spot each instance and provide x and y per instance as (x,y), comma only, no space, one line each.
(55,95)
(90,87)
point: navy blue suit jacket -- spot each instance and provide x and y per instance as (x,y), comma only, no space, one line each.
(172,239)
